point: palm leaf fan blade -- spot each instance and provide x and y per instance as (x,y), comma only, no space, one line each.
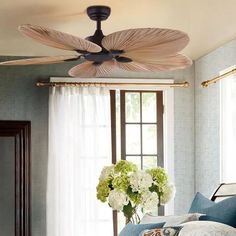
(168,63)
(132,66)
(162,42)
(58,39)
(40,60)
(91,69)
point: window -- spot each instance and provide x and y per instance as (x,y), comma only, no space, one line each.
(142,127)
(137,130)
(228,129)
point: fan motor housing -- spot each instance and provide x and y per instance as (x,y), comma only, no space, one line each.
(98,57)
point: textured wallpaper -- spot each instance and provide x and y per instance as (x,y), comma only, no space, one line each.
(7,183)
(207,117)
(184,143)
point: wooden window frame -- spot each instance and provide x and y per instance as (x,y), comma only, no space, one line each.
(113,149)
(160,134)
(158,123)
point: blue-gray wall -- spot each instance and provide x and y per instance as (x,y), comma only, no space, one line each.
(20,99)
(184,143)
(207,116)
(7,185)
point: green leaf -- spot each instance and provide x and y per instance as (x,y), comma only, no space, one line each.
(128,211)
(135,197)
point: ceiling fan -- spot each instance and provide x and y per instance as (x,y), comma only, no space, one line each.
(140,50)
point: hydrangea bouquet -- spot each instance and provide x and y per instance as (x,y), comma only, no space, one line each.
(128,189)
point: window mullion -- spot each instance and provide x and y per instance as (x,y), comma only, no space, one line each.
(159,126)
(123,125)
(141,129)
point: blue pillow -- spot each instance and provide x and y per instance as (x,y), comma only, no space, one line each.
(200,202)
(210,218)
(224,211)
(134,230)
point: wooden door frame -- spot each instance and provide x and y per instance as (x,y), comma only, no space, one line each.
(21,132)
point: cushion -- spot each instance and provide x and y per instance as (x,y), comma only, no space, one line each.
(200,202)
(170,220)
(206,228)
(210,218)
(134,230)
(166,231)
(224,211)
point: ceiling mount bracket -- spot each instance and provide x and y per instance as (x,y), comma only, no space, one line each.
(98,13)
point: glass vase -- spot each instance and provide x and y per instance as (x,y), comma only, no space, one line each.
(134,219)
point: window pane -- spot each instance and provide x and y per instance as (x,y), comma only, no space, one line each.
(133,145)
(132,107)
(135,159)
(149,162)
(149,107)
(149,139)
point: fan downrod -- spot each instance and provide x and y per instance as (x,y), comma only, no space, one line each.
(98,13)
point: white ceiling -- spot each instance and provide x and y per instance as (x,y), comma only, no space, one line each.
(209,23)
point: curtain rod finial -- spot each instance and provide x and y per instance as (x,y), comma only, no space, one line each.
(205,84)
(186,84)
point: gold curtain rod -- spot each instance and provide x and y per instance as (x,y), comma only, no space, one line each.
(184,84)
(206,83)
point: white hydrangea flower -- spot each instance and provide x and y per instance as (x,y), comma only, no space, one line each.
(168,194)
(117,199)
(107,172)
(149,200)
(140,181)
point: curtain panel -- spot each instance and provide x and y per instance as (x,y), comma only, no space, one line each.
(79,147)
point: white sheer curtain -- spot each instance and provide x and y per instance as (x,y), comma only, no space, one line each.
(79,146)
(228,129)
